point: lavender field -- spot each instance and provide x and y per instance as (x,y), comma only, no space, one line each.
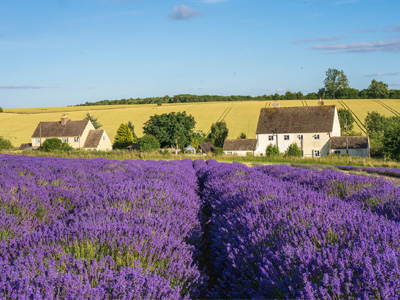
(103,229)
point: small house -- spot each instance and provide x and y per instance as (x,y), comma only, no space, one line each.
(79,134)
(351,145)
(240,147)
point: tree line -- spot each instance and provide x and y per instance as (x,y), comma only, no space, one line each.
(336,86)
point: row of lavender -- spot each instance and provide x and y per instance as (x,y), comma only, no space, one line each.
(270,238)
(381,171)
(98,229)
(368,193)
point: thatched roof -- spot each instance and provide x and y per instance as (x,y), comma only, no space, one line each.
(240,145)
(308,119)
(355,142)
(56,129)
(207,147)
(93,138)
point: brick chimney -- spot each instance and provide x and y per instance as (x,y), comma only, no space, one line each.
(64,119)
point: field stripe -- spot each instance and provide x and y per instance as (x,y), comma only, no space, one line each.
(358,121)
(392,110)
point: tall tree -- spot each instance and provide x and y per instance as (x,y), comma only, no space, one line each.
(334,81)
(132,128)
(218,133)
(123,138)
(345,116)
(171,130)
(92,119)
(378,89)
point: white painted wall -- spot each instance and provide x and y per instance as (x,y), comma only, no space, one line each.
(238,153)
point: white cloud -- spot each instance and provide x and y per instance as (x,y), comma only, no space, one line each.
(183,12)
(393,28)
(213,1)
(21,87)
(382,74)
(385,46)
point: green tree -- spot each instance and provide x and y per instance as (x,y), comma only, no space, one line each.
(391,141)
(378,90)
(171,130)
(55,144)
(132,128)
(148,143)
(5,144)
(218,134)
(93,120)
(123,138)
(294,150)
(335,80)
(1,109)
(242,136)
(345,115)
(272,150)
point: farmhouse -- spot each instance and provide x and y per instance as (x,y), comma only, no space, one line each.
(310,127)
(353,145)
(240,147)
(78,134)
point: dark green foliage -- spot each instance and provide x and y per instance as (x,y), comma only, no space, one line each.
(242,136)
(171,130)
(5,144)
(123,138)
(55,144)
(218,133)
(132,128)
(93,120)
(378,89)
(148,143)
(294,150)
(345,115)
(218,151)
(335,80)
(272,150)
(1,110)
(391,141)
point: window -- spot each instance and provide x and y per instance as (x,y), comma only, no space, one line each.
(336,152)
(104,138)
(64,140)
(316,136)
(317,153)
(270,138)
(300,136)
(286,137)
(37,141)
(76,139)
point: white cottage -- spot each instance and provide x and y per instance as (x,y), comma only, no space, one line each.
(310,127)
(78,134)
(351,145)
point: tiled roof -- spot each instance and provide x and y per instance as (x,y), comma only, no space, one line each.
(240,145)
(56,129)
(207,147)
(355,142)
(308,119)
(93,139)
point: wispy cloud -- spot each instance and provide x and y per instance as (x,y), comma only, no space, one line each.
(183,12)
(385,46)
(365,31)
(382,74)
(322,39)
(21,87)
(392,28)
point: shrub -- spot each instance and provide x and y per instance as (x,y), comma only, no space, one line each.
(272,150)
(55,144)
(148,143)
(5,144)
(123,138)
(1,110)
(218,151)
(294,150)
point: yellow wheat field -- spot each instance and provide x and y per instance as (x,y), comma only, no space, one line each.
(19,124)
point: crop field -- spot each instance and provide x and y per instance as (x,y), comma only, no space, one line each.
(19,124)
(134,229)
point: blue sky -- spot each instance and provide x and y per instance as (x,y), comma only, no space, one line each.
(66,52)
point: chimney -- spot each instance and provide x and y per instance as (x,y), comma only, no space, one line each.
(275,104)
(64,119)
